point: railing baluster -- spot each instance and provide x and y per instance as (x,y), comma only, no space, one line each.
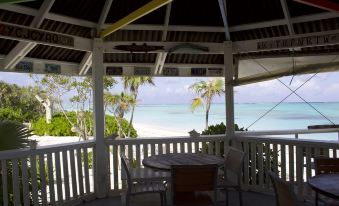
(86,168)
(138,159)
(291,163)
(283,161)
(16,186)
(182,147)
(25,181)
(73,174)
(34,181)
(145,150)
(116,166)
(66,175)
(253,163)
(299,170)
(275,158)
(4,182)
(260,165)
(267,163)
(217,148)
(246,164)
(51,178)
(196,147)
(168,148)
(175,147)
(308,166)
(43,179)
(58,177)
(130,154)
(80,172)
(210,147)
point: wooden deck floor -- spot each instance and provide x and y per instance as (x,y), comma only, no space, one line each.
(250,199)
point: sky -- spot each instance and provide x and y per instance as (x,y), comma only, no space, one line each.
(175,90)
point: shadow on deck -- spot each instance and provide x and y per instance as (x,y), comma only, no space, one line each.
(250,199)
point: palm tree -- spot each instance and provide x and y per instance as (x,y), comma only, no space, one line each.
(13,135)
(206,91)
(133,83)
(119,105)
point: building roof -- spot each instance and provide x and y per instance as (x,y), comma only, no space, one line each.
(199,22)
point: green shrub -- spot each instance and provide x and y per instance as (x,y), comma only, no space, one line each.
(217,129)
(9,113)
(60,126)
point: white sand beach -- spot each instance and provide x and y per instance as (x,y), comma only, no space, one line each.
(143,130)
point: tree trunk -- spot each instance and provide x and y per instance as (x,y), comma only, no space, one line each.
(130,121)
(48,108)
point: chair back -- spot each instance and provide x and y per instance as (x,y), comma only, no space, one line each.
(284,192)
(188,179)
(326,165)
(127,169)
(234,163)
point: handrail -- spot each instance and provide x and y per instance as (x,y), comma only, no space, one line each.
(18,153)
(287,132)
(284,140)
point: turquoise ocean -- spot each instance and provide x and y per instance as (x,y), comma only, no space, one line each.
(179,117)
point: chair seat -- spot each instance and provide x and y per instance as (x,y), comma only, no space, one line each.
(192,198)
(147,187)
(142,174)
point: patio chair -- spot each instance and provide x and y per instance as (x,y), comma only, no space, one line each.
(141,187)
(324,165)
(233,170)
(190,184)
(284,192)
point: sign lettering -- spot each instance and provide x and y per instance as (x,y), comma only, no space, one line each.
(170,72)
(26,67)
(35,35)
(52,68)
(142,71)
(116,71)
(198,72)
(299,42)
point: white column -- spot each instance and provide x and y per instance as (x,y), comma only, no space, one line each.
(101,163)
(229,97)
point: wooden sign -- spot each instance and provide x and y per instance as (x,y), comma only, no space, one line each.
(299,42)
(170,72)
(114,71)
(23,66)
(198,72)
(217,72)
(25,33)
(142,71)
(52,68)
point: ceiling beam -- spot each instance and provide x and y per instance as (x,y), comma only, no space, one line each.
(161,57)
(223,12)
(330,5)
(86,61)
(89,24)
(142,11)
(23,48)
(287,16)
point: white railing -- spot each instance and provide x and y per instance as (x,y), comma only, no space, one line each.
(294,132)
(59,174)
(66,174)
(292,159)
(139,148)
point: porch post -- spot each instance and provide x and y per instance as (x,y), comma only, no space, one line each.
(229,96)
(101,163)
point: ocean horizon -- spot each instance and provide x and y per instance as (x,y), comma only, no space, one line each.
(288,115)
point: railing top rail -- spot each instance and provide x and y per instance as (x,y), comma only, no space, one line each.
(157,140)
(287,132)
(19,153)
(288,141)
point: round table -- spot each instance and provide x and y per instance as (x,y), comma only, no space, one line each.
(326,184)
(165,161)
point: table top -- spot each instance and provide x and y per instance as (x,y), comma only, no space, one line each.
(165,161)
(326,184)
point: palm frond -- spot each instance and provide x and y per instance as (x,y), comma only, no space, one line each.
(13,135)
